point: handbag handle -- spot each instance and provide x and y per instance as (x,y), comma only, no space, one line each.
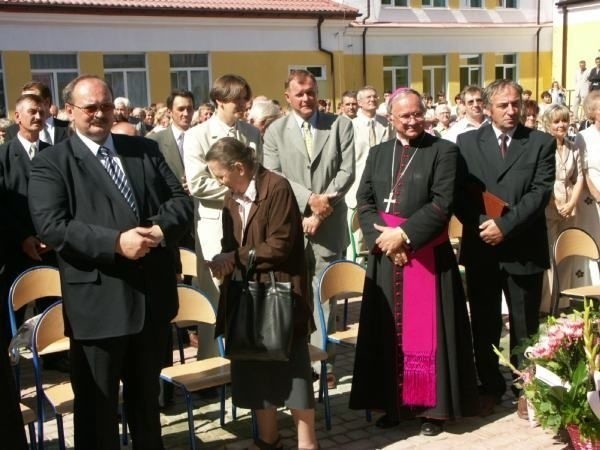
(247,275)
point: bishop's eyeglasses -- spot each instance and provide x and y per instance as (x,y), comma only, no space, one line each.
(92,109)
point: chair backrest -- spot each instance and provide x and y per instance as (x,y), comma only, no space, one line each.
(49,332)
(188,262)
(341,279)
(194,306)
(31,285)
(575,242)
(454,228)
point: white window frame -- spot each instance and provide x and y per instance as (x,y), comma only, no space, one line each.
(471,67)
(53,74)
(431,68)
(431,5)
(308,67)
(392,4)
(125,70)
(504,66)
(502,4)
(189,71)
(394,69)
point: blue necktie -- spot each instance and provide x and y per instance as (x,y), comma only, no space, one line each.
(118,177)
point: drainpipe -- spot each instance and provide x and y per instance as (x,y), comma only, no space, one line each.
(537,53)
(331,59)
(364,43)
(565,33)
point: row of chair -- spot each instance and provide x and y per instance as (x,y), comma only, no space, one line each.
(341,280)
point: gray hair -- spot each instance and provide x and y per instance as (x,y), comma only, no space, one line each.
(122,101)
(497,86)
(263,110)
(228,151)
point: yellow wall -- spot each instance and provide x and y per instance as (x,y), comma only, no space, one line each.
(489,70)
(527,72)
(159,76)
(17,71)
(91,63)
(453,63)
(490,4)
(416,72)
(454,4)
(267,71)
(579,47)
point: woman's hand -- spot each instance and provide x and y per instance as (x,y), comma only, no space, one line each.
(222,264)
(566,209)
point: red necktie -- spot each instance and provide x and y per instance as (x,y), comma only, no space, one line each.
(503,146)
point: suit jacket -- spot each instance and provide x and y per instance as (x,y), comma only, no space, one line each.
(524,179)
(77,208)
(594,79)
(61,130)
(383,132)
(274,230)
(15,167)
(330,171)
(168,147)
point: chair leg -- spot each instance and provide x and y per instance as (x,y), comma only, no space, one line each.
(32,441)
(345,323)
(222,413)
(180,344)
(124,438)
(190,411)
(254,425)
(325,392)
(61,432)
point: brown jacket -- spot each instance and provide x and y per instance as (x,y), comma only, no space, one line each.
(274,230)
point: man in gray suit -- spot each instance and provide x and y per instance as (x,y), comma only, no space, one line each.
(315,152)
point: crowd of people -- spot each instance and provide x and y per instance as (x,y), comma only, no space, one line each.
(108,191)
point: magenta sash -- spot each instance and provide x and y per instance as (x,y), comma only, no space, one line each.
(419,321)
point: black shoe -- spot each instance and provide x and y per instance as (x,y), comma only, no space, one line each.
(432,427)
(387,421)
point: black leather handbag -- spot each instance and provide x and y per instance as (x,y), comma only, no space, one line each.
(260,321)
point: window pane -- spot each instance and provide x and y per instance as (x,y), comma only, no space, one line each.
(474,77)
(189,60)
(53,61)
(401,3)
(395,61)
(62,78)
(386,2)
(509,73)
(511,3)
(509,59)
(200,85)
(179,79)
(117,82)
(426,3)
(401,78)
(44,77)
(2,96)
(439,3)
(499,73)
(124,61)
(464,77)
(136,88)
(388,84)
(475,4)
(434,60)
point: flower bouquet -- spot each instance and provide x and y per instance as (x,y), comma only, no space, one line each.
(560,373)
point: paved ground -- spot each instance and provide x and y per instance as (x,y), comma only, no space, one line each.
(502,430)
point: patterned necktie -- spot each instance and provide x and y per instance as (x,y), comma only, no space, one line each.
(503,145)
(32,151)
(180,144)
(372,138)
(308,138)
(118,177)
(232,132)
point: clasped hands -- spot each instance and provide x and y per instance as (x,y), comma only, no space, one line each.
(137,242)
(490,233)
(222,265)
(392,242)
(320,208)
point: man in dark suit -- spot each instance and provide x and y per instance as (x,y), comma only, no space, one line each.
(508,252)
(112,209)
(54,130)
(23,248)
(594,76)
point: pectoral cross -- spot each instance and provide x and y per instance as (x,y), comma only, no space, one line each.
(389,202)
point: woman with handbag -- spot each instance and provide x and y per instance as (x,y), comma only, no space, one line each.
(263,244)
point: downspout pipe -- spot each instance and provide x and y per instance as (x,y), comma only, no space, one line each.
(537,54)
(331,59)
(565,34)
(364,43)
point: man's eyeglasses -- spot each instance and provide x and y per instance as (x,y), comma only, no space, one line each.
(418,116)
(475,100)
(91,110)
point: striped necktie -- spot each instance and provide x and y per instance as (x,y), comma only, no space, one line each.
(118,177)
(32,150)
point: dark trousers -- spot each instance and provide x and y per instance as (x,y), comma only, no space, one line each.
(96,368)
(485,284)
